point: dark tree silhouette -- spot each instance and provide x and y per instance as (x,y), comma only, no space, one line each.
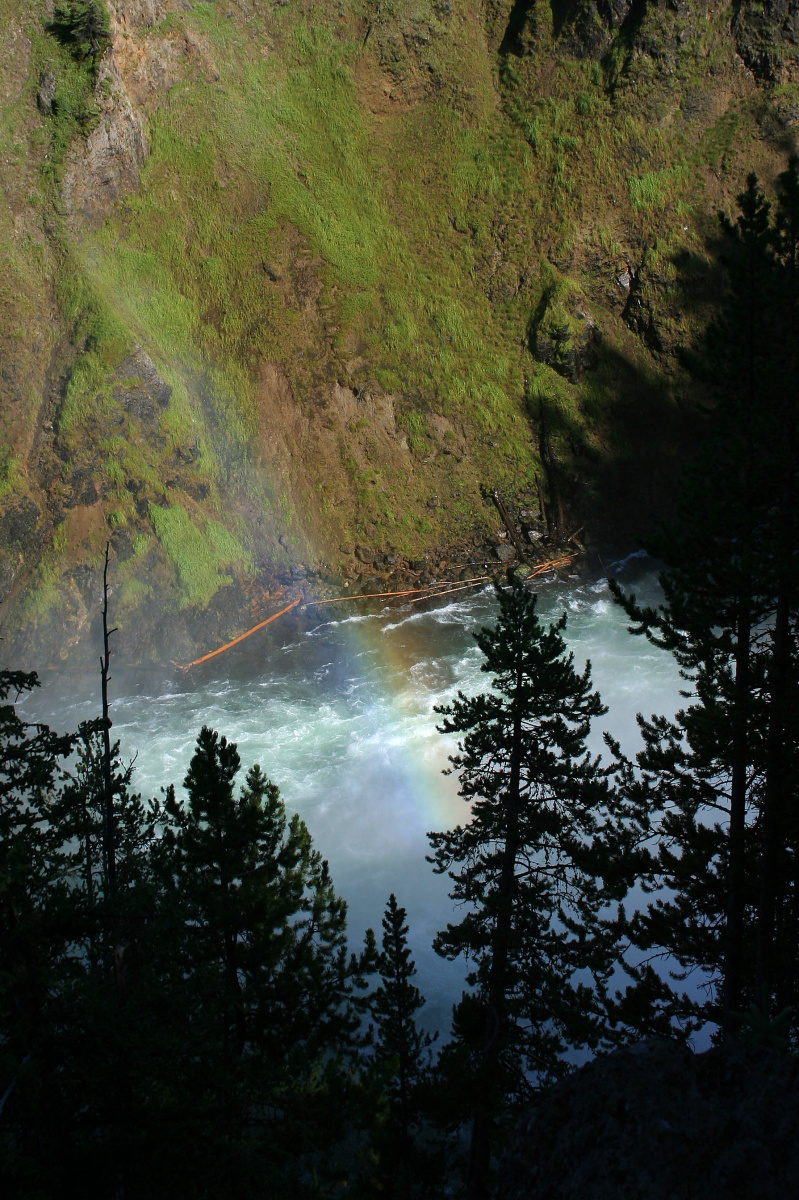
(265,921)
(714,786)
(399,1044)
(527,865)
(33,937)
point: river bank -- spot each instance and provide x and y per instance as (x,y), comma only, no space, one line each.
(520,538)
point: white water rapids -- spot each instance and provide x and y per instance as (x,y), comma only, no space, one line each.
(339,712)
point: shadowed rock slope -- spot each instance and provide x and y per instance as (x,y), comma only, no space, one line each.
(659,1122)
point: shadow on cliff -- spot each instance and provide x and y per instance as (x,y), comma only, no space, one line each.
(649,410)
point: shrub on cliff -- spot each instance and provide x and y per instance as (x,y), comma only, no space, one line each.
(84,27)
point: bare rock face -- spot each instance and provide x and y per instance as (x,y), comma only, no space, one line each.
(656,1121)
(107,166)
(46,93)
(767,38)
(143,392)
(135,13)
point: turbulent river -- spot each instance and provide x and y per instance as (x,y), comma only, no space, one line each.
(339,712)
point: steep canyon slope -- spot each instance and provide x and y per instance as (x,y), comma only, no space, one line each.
(287,286)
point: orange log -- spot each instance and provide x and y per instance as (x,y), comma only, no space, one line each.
(431,587)
(445,588)
(362,596)
(240,638)
(458,587)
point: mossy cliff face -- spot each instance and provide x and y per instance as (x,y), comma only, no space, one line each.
(282,280)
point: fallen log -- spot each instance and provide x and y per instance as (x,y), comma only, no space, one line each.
(457,587)
(236,640)
(509,524)
(553,564)
(428,588)
(429,592)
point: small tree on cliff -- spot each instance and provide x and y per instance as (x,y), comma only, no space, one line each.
(527,864)
(84,27)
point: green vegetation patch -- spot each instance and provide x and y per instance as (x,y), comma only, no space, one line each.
(11,479)
(236,171)
(203,555)
(652,190)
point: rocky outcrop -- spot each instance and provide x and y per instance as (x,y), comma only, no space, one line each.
(23,531)
(590,26)
(766,32)
(142,392)
(640,311)
(563,334)
(767,38)
(135,72)
(137,13)
(657,1121)
(107,165)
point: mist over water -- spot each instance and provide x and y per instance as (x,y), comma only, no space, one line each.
(339,712)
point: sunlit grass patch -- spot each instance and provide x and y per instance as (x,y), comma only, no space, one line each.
(201,553)
(11,477)
(289,145)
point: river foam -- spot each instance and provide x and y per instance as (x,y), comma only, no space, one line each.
(341,715)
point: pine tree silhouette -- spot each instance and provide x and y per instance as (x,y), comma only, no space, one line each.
(527,865)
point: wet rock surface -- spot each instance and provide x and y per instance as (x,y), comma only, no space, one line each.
(143,393)
(655,1120)
(18,525)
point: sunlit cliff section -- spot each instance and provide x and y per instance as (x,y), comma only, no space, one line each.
(285,282)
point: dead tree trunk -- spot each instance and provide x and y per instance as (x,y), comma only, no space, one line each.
(548,460)
(109,847)
(508,523)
